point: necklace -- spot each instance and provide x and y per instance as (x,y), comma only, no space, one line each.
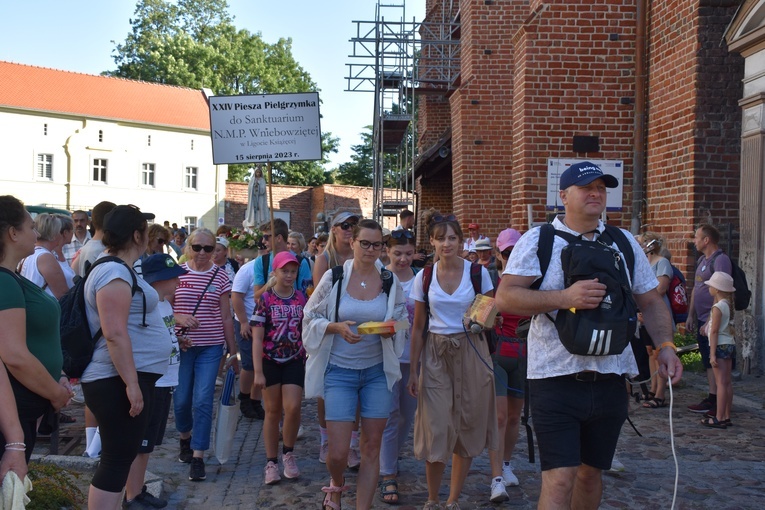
(363,284)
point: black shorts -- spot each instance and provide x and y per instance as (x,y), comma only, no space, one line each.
(160,411)
(291,372)
(577,422)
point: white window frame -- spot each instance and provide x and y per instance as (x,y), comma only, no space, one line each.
(103,170)
(148,170)
(40,163)
(191,178)
(191,223)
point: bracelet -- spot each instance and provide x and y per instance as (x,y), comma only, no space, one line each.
(16,444)
(15,449)
(668,344)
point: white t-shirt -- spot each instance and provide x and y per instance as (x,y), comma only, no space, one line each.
(170,379)
(546,355)
(244,283)
(30,272)
(89,253)
(447,310)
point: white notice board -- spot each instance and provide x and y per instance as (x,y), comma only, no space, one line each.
(556,166)
(266,127)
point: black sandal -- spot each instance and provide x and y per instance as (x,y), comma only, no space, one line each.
(655,403)
(714,423)
(385,491)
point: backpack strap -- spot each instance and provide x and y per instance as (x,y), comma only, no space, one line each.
(625,247)
(337,276)
(544,251)
(475,277)
(387,280)
(133,289)
(427,278)
(266,259)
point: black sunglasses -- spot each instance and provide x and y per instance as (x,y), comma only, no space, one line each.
(442,219)
(346,225)
(199,247)
(266,237)
(161,241)
(506,253)
(402,234)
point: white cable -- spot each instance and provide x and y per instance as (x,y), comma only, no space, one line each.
(672,442)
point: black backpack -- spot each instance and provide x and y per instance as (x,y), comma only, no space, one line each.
(77,343)
(743,295)
(608,329)
(337,276)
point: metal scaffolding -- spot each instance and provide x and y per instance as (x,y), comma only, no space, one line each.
(396,60)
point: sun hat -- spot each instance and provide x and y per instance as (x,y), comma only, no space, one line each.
(722,281)
(343,216)
(283,258)
(507,238)
(582,174)
(483,243)
(160,266)
(222,241)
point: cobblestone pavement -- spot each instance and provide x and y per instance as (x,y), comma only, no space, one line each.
(719,469)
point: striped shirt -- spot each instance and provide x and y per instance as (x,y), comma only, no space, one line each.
(191,287)
(71,249)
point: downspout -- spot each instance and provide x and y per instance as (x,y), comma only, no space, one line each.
(69,169)
(638,143)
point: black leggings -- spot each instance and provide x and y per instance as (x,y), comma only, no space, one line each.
(121,435)
(30,407)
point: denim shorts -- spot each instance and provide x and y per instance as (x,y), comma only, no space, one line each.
(245,348)
(727,351)
(345,388)
(577,422)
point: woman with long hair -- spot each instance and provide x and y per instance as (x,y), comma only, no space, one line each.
(456,411)
(204,293)
(30,343)
(130,355)
(353,370)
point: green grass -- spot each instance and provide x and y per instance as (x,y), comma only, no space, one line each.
(53,487)
(691,360)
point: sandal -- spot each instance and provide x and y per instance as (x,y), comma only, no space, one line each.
(332,489)
(655,403)
(387,492)
(727,423)
(65,418)
(714,423)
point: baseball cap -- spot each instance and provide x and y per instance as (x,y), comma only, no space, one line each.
(343,216)
(483,244)
(474,226)
(283,258)
(123,220)
(581,174)
(160,266)
(507,238)
(222,241)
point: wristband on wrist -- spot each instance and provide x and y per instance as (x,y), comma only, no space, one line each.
(19,446)
(668,344)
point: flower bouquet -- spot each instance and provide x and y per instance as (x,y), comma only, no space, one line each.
(244,243)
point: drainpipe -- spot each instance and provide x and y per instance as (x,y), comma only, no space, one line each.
(638,144)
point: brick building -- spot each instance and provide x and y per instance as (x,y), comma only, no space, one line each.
(649,84)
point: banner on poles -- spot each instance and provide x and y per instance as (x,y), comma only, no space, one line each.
(265,128)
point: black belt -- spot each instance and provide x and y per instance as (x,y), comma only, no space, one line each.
(590,376)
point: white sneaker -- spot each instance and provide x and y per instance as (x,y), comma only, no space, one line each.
(323,453)
(354,458)
(498,492)
(508,477)
(300,433)
(616,466)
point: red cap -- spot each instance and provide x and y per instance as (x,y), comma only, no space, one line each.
(283,258)
(474,226)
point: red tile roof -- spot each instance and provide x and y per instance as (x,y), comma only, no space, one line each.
(51,90)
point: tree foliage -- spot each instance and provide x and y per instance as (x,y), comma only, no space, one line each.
(358,172)
(194,43)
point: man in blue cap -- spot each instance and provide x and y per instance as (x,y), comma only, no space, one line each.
(577,439)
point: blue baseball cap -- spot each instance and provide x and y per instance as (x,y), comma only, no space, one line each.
(582,174)
(160,266)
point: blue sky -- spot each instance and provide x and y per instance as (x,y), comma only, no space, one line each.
(77,36)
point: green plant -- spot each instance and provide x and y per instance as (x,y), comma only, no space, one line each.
(691,360)
(244,239)
(53,487)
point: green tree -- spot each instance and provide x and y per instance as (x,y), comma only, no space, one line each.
(358,172)
(194,43)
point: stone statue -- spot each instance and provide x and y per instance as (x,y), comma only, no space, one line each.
(257,205)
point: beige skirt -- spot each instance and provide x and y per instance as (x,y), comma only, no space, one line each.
(456,409)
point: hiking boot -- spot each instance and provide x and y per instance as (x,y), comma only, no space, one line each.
(260,413)
(145,500)
(508,477)
(197,469)
(271,473)
(323,453)
(702,407)
(290,466)
(498,492)
(245,405)
(354,458)
(186,452)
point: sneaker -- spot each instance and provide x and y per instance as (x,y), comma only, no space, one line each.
(247,410)
(197,469)
(702,407)
(136,504)
(271,473)
(432,505)
(323,453)
(498,492)
(712,413)
(616,466)
(354,458)
(508,477)
(186,452)
(290,466)
(145,500)
(300,433)
(260,413)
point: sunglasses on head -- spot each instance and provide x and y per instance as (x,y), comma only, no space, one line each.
(442,219)
(346,225)
(402,234)
(198,247)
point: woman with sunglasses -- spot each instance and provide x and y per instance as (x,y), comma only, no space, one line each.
(351,370)
(337,251)
(400,247)
(204,293)
(456,413)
